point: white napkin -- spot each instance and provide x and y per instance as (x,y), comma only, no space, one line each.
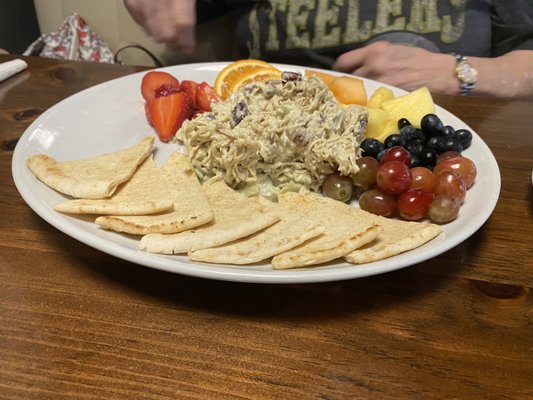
(10,68)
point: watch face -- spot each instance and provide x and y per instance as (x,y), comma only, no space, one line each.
(466,73)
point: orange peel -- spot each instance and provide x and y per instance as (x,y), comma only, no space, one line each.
(237,72)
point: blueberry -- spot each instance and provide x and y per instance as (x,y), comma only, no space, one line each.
(420,136)
(380,154)
(428,158)
(450,144)
(409,133)
(394,140)
(371,147)
(464,137)
(402,123)
(415,161)
(415,147)
(448,131)
(436,143)
(432,125)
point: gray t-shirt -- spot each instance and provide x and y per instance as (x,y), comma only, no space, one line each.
(316,32)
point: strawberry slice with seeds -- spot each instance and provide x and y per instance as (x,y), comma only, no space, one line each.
(153,80)
(190,87)
(205,95)
(166,89)
(169,112)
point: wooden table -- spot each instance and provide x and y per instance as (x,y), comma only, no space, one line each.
(76,323)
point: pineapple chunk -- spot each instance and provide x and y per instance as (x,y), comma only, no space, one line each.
(377,119)
(412,106)
(391,126)
(379,96)
(349,90)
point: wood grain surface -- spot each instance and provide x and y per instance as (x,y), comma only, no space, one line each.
(76,323)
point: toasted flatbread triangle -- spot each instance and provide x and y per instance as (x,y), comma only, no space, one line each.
(190,210)
(235,217)
(344,230)
(396,237)
(145,193)
(91,178)
(293,229)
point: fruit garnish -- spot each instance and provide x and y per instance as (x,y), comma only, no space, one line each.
(153,80)
(325,77)
(227,79)
(166,89)
(413,106)
(190,87)
(205,95)
(260,75)
(348,90)
(169,112)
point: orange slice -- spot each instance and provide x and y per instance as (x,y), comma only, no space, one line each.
(262,74)
(234,72)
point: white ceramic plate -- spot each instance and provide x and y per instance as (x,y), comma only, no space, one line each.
(110,117)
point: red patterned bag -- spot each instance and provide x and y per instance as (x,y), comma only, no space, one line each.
(74,40)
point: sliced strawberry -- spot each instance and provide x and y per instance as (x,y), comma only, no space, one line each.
(153,80)
(148,111)
(166,89)
(205,95)
(190,87)
(169,112)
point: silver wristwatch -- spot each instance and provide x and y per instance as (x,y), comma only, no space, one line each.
(466,74)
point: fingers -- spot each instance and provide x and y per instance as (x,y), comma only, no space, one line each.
(167,21)
(350,61)
(183,15)
(399,65)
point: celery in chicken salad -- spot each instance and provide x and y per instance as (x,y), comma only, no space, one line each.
(275,136)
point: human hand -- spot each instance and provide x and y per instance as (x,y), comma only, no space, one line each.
(167,21)
(403,66)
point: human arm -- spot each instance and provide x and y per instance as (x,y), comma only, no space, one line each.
(507,76)
(168,21)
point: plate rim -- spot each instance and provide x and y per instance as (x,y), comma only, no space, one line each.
(234,273)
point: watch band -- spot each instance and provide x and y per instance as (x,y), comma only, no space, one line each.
(466,74)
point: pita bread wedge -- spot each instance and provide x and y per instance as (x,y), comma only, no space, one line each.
(145,193)
(235,217)
(91,178)
(344,230)
(396,237)
(190,210)
(292,230)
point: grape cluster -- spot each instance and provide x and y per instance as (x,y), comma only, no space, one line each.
(415,174)
(424,145)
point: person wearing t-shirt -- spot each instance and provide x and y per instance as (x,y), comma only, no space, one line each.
(477,47)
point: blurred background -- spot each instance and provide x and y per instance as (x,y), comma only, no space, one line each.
(23,21)
(18,25)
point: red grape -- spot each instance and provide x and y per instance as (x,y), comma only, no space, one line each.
(368,168)
(377,202)
(396,153)
(414,204)
(394,177)
(462,165)
(423,178)
(444,208)
(451,183)
(448,154)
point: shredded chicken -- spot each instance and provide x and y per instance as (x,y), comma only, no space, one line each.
(276,135)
